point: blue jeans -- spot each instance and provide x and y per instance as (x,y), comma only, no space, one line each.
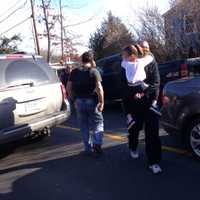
(90,117)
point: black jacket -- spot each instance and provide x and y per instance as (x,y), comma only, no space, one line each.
(153,80)
(152,92)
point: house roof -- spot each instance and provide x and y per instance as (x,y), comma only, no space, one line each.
(173,9)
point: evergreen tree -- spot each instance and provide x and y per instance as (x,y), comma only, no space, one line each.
(9,45)
(110,38)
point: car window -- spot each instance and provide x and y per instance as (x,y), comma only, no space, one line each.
(48,70)
(195,70)
(112,67)
(20,71)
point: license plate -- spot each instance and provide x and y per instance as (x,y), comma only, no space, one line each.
(35,106)
(31,107)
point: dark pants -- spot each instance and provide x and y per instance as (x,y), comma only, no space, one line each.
(145,117)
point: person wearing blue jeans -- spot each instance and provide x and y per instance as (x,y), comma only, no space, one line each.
(84,86)
(89,116)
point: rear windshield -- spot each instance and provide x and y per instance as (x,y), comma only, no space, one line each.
(194,66)
(21,71)
(110,64)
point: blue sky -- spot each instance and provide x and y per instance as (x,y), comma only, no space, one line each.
(125,9)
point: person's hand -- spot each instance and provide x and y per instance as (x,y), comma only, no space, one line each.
(154,103)
(139,95)
(100,107)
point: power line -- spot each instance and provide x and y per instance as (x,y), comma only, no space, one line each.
(16,25)
(85,21)
(80,23)
(13,12)
(10,8)
(76,8)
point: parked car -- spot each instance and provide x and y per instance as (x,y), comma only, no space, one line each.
(177,69)
(32,99)
(181,111)
(110,68)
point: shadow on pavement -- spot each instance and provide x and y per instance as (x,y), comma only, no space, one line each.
(59,138)
(114,176)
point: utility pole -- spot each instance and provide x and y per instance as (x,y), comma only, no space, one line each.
(44,7)
(35,28)
(61,30)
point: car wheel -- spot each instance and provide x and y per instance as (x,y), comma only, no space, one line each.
(193,138)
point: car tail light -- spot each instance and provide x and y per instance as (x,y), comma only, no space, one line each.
(174,99)
(64,93)
(165,99)
(184,70)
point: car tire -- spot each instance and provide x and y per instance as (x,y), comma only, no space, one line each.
(193,138)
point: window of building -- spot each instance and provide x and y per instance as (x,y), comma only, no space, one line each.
(189,24)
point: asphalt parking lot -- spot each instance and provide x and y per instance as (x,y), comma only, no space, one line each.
(55,169)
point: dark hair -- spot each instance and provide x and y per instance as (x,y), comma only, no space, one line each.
(87,57)
(140,50)
(131,50)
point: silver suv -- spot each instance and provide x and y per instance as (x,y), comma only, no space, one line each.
(32,99)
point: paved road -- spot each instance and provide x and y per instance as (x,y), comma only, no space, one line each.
(55,169)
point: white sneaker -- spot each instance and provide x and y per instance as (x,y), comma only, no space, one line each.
(134,154)
(156,169)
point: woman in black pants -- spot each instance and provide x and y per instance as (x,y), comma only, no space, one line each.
(138,103)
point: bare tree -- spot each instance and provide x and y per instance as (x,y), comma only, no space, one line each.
(151,28)
(182,26)
(58,18)
(173,3)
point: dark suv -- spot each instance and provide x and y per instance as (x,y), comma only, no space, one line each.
(181,111)
(110,68)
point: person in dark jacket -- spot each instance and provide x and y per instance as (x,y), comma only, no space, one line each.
(83,86)
(140,105)
(64,76)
